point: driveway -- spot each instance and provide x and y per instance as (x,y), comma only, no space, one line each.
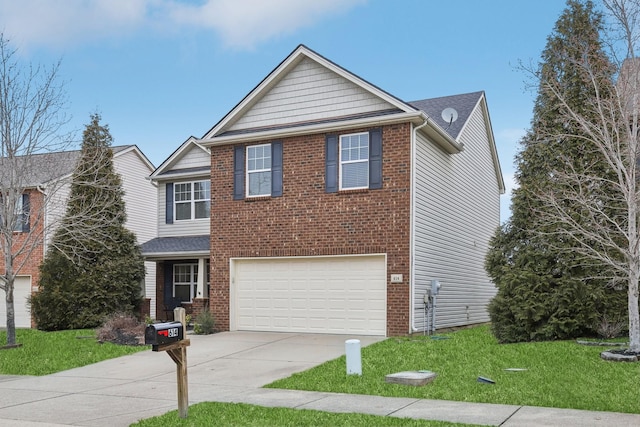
(120,391)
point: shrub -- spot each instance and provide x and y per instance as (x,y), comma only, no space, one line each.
(122,328)
(204,323)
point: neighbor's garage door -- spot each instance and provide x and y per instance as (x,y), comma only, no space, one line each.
(22,288)
(335,295)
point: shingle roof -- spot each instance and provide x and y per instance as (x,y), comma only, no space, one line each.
(176,245)
(44,167)
(463,104)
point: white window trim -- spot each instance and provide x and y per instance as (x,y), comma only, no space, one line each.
(341,163)
(247,172)
(193,279)
(192,201)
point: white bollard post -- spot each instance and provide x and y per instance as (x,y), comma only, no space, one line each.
(354,359)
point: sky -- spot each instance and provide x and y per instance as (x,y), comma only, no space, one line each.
(160,71)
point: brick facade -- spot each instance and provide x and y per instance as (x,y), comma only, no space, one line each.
(307,221)
(32,255)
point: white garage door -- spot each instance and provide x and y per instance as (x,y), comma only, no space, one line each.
(336,295)
(22,289)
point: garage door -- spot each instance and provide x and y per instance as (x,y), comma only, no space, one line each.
(22,288)
(336,295)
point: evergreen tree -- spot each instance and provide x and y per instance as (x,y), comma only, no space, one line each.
(545,290)
(93,267)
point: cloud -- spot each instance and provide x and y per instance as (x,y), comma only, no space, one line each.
(60,23)
(240,24)
(244,24)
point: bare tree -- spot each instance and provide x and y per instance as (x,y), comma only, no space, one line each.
(34,189)
(596,206)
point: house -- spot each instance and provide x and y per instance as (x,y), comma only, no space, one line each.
(54,170)
(335,206)
(180,249)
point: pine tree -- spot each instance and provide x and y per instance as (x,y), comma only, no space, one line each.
(93,267)
(545,290)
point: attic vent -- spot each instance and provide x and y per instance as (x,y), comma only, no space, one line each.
(449,115)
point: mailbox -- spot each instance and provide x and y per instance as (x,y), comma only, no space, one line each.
(163,333)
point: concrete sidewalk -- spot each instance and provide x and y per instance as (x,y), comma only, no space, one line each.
(232,367)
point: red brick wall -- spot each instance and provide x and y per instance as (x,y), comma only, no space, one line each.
(32,254)
(308,221)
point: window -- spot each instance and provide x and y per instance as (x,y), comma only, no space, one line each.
(185,281)
(259,170)
(192,200)
(354,161)
(21,214)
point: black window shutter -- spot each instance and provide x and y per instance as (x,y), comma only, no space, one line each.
(331,164)
(375,159)
(276,169)
(238,173)
(168,283)
(24,217)
(169,204)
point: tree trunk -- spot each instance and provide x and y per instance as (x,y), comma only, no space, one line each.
(11,318)
(634,314)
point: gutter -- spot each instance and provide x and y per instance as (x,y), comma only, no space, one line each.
(435,132)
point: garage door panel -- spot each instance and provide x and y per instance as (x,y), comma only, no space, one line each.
(323,294)
(21,291)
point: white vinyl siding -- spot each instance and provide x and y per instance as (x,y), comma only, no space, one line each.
(140,200)
(178,228)
(139,194)
(195,157)
(457,209)
(335,295)
(309,92)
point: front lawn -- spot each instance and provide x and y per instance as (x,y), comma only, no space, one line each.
(561,374)
(44,353)
(212,414)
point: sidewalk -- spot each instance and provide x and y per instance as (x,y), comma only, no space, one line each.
(232,367)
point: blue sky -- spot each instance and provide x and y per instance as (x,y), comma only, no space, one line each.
(159,71)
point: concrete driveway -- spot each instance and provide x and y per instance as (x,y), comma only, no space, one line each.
(120,391)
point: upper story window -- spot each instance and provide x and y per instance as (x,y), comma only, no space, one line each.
(192,200)
(259,170)
(354,161)
(21,213)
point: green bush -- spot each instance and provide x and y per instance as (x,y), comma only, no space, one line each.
(543,296)
(204,323)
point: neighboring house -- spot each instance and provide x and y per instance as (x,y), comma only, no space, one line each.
(55,170)
(333,207)
(181,248)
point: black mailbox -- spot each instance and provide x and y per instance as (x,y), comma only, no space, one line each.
(163,333)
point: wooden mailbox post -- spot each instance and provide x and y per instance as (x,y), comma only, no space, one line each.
(169,337)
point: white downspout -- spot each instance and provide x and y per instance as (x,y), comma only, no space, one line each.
(414,141)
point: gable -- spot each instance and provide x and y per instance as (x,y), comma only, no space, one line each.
(309,93)
(190,159)
(194,157)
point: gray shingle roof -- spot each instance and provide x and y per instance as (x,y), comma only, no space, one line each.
(463,104)
(176,245)
(44,167)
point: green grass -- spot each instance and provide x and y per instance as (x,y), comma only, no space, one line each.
(44,353)
(559,374)
(213,414)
